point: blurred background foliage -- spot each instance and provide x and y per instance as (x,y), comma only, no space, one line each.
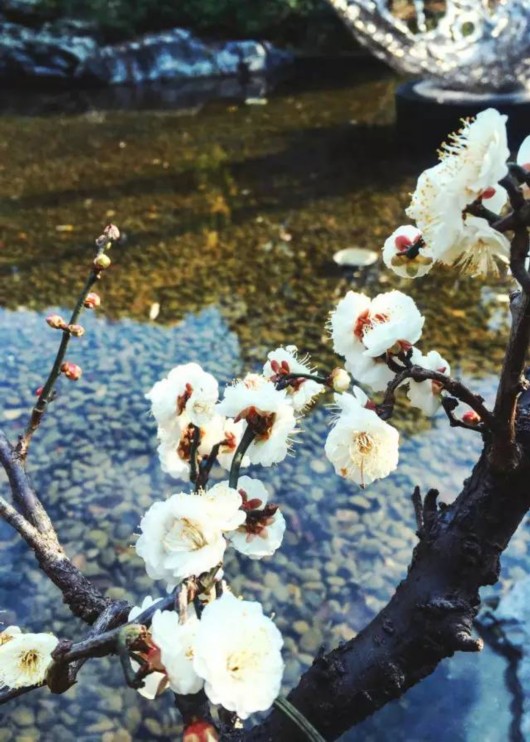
(308,24)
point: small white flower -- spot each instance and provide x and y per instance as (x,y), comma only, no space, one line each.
(436,207)
(183,536)
(360,445)
(25,659)
(473,161)
(393,319)
(374,327)
(238,653)
(426,394)
(480,247)
(395,253)
(156,682)
(267,411)
(372,372)
(340,380)
(176,642)
(282,361)
(174,451)
(477,154)
(187,388)
(262,532)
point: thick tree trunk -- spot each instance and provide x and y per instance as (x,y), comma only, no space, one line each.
(431,613)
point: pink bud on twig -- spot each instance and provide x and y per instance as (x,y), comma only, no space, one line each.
(92,301)
(71,370)
(76,330)
(56,321)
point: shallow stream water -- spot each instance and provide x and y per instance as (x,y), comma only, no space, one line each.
(231,215)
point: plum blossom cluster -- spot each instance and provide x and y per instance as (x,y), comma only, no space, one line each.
(223,644)
(455,202)
(233,652)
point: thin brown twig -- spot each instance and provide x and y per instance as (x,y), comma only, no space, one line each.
(453,386)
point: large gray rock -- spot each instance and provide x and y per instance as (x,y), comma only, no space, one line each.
(52,52)
(69,51)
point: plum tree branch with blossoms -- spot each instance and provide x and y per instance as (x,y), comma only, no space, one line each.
(201,642)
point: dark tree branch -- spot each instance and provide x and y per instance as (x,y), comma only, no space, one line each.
(81,596)
(505,452)
(430,615)
(453,386)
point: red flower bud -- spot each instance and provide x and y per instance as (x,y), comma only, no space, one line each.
(71,370)
(56,321)
(471,418)
(92,301)
(488,192)
(39,391)
(200,731)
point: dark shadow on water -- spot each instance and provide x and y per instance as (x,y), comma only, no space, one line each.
(188,96)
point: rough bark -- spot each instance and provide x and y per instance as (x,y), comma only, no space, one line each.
(431,613)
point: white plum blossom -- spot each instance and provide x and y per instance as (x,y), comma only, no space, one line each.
(183,536)
(373,327)
(262,532)
(426,394)
(267,411)
(473,161)
(188,390)
(156,682)
(282,361)
(238,653)
(360,445)
(395,253)
(436,207)
(393,319)
(176,642)
(25,658)
(363,330)
(477,154)
(479,248)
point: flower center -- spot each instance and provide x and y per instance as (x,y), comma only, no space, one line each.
(237,663)
(184,535)
(363,442)
(260,422)
(29,660)
(366,321)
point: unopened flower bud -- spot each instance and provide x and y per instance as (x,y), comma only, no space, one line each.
(39,391)
(92,301)
(339,380)
(102,262)
(71,370)
(110,234)
(200,731)
(76,330)
(56,321)
(471,417)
